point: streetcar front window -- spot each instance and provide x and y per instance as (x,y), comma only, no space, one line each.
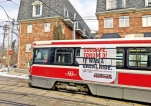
(41,56)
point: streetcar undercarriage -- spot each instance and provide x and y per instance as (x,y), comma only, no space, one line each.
(72,87)
(113,91)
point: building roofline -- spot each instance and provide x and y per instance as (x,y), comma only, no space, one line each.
(122,11)
(44,18)
(115,11)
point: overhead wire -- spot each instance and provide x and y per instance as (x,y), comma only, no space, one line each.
(89,19)
(72,14)
(14,3)
(92,19)
(83,22)
(6,13)
(61,14)
(51,8)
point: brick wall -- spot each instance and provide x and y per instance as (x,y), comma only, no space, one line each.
(135,24)
(37,34)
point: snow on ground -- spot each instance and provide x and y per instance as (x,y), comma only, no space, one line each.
(14,76)
(6,68)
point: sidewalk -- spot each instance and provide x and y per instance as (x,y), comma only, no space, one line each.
(17,73)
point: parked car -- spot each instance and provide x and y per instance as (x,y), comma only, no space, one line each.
(15,65)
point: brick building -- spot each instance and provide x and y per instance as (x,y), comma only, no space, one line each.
(118,18)
(37,19)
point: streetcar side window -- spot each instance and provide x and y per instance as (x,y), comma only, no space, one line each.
(138,57)
(64,56)
(77,53)
(120,57)
(41,56)
(52,55)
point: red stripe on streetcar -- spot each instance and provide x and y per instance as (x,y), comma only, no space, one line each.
(104,42)
(134,79)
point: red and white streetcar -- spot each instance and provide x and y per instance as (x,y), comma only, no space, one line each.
(118,68)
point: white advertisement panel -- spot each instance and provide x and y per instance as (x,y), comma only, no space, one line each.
(97,63)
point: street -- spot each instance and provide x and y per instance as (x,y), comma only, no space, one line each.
(15,92)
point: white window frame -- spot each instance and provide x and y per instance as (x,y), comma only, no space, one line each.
(63,29)
(37,3)
(77,24)
(147,3)
(124,4)
(108,21)
(67,13)
(27,65)
(108,6)
(124,19)
(47,27)
(29,28)
(146,21)
(84,31)
(28,47)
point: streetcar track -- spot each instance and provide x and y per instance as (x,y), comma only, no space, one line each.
(16,85)
(21,83)
(42,96)
(13,103)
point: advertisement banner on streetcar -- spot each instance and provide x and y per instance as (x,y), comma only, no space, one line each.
(97,63)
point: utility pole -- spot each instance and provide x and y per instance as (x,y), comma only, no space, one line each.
(10,41)
(74,27)
(5,29)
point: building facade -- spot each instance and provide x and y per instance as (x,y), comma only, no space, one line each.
(37,19)
(118,18)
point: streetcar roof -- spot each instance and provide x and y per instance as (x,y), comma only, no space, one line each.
(95,41)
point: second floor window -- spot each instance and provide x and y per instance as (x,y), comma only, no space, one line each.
(146,21)
(108,23)
(29,28)
(115,4)
(47,27)
(124,21)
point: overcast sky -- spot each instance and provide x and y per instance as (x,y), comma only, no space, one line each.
(86,8)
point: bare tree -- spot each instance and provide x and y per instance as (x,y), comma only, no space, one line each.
(3,52)
(14,55)
(58,31)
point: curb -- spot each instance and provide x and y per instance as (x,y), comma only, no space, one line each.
(25,71)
